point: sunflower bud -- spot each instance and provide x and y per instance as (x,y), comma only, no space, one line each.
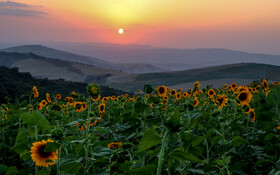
(93,90)
(57,134)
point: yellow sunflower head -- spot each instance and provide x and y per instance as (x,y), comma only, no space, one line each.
(35,92)
(178,96)
(244,97)
(58,96)
(233,86)
(162,90)
(195,103)
(101,108)
(39,156)
(173,92)
(211,93)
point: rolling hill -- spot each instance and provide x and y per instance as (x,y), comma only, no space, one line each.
(216,75)
(166,58)
(68,56)
(14,84)
(42,67)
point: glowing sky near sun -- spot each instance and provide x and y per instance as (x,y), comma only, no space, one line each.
(249,25)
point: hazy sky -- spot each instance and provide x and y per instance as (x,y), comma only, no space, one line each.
(248,25)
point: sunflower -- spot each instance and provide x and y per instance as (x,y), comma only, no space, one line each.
(58,96)
(195,103)
(242,88)
(44,102)
(275,83)
(246,108)
(70,101)
(74,94)
(173,92)
(84,105)
(93,90)
(196,85)
(101,108)
(178,96)
(39,156)
(265,83)
(161,90)
(138,90)
(40,106)
(48,97)
(244,97)
(114,145)
(233,86)
(225,86)
(35,92)
(211,93)
(78,106)
(96,98)
(104,99)
(252,115)
(222,100)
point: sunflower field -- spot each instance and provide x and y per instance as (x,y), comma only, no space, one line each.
(230,130)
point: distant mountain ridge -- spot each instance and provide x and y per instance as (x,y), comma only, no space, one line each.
(68,56)
(42,67)
(166,58)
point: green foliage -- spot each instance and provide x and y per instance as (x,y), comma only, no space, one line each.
(150,139)
(144,134)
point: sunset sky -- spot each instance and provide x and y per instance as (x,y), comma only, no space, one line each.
(247,25)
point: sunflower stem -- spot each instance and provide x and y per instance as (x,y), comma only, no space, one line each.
(87,136)
(58,160)
(36,138)
(160,160)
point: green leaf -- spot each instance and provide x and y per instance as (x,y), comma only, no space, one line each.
(12,170)
(196,171)
(197,140)
(51,146)
(22,134)
(24,117)
(140,107)
(238,140)
(3,168)
(146,170)
(174,122)
(43,172)
(44,124)
(185,156)
(100,151)
(34,118)
(71,168)
(215,140)
(210,132)
(150,139)
(25,155)
(21,146)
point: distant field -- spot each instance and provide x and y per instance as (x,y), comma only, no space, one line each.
(218,83)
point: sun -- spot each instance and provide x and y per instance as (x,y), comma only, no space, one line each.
(120,30)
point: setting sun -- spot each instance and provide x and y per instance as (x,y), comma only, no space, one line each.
(120,31)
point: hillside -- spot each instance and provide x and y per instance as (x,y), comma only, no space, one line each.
(14,84)
(42,67)
(68,56)
(166,58)
(213,75)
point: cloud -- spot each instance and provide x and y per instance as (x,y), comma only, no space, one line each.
(13,4)
(11,8)
(20,12)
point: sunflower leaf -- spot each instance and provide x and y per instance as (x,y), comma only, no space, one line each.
(150,139)
(51,146)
